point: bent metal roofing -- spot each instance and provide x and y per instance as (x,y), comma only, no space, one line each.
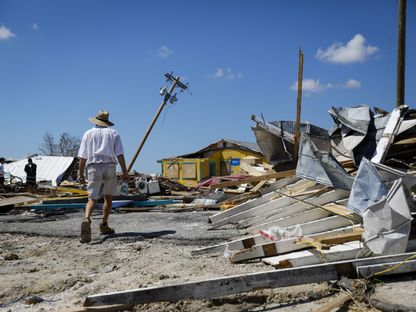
(49,168)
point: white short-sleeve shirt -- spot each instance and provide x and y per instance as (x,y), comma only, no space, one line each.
(100,145)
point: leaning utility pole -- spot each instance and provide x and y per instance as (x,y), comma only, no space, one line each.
(175,82)
(298,106)
(401,54)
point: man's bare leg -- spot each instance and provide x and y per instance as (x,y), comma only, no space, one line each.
(104,228)
(86,223)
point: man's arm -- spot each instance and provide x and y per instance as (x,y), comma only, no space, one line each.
(82,162)
(122,163)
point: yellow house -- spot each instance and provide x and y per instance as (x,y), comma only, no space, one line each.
(221,158)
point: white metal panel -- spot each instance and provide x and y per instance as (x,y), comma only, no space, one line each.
(49,168)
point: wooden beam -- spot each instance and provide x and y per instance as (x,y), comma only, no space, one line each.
(104,308)
(312,256)
(307,215)
(387,268)
(17,200)
(298,206)
(267,195)
(335,303)
(223,286)
(274,249)
(388,135)
(269,176)
(341,238)
(274,202)
(258,186)
(308,228)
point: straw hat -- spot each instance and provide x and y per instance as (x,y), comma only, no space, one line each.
(101,119)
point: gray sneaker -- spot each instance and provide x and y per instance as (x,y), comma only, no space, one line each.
(105,229)
(86,231)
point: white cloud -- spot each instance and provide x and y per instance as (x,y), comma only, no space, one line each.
(226,73)
(35,26)
(164,52)
(5,33)
(309,85)
(315,86)
(352,84)
(354,51)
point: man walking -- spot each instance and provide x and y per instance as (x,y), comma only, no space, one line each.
(99,149)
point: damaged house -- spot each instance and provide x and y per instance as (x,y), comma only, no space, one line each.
(222,158)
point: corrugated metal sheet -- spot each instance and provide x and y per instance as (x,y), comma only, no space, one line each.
(49,168)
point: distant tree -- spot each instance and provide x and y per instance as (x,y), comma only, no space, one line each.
(48,146)
(67,145)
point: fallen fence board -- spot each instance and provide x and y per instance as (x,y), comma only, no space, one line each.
(269,176)
(387,268)
(115,204)
(271,249)
(313,256)
(254,202)
(311,214)
(308,228)
(17,200)
(237,284)
(335,303)
(298,205)
(303,217)
(388,135)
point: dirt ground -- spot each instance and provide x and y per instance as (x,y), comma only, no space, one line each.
(44,267)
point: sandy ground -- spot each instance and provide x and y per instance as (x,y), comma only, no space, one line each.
(41,259)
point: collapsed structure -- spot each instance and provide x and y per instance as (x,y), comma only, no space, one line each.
(345,207)
(347,199)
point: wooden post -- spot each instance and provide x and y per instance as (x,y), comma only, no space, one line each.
(401,53)
(298,106)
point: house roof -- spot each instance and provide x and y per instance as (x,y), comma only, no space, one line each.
(221,144)
(49,168)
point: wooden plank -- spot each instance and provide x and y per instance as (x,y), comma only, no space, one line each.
(347,251)
(104,308)
(258,186)
(299,218)
(309,241)
(308,215)
(341,238)
(223,286)
(336,303)
(388,135)
(298,206)
(269,176)
(387,268)
(275,202)
(270,249)
(255,202)
(17,200)
(308,228)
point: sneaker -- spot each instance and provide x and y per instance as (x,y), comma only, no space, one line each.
(105,229)
(86,231)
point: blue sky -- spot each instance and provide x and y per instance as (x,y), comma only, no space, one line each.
(62,61)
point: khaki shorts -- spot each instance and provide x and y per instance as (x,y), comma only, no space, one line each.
(102,180)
